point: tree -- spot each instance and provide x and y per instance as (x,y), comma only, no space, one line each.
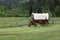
(30,7)
(57,11)
(39,6)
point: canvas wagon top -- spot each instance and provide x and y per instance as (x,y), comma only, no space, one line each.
(40,16)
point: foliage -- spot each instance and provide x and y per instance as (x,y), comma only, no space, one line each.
(57,11)
(16,8)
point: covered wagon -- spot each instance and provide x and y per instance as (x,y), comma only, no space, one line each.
(39,18)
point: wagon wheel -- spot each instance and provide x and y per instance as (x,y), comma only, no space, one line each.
(29,24)
(44,23)
(47,23)
(35,24)
(32,23)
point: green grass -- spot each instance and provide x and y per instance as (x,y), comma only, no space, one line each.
(6,22)
(51,32)
(9,30)
(26,29)
(33,36)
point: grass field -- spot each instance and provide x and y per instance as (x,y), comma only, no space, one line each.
(10,30)
(12,21)
(17,21)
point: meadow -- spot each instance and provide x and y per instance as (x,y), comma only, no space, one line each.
(13,21)
(10,29)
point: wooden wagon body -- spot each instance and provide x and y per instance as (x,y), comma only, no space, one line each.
(39,18)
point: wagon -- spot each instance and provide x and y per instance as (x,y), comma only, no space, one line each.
(39,18)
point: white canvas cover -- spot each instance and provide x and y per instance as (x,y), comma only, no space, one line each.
(40,16)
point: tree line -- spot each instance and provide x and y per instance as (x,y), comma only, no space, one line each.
(17,8)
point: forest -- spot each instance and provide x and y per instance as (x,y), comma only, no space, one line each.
(24,8)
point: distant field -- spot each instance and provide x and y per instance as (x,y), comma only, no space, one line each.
(10,29)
